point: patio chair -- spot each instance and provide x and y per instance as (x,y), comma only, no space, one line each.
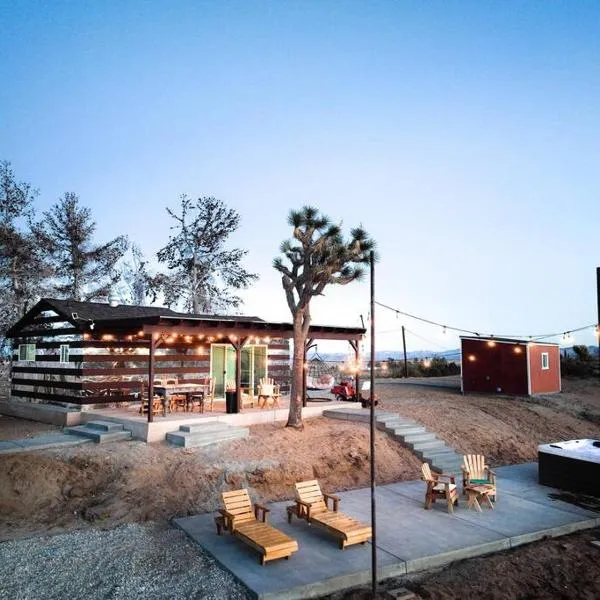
(439,486)
(476,472)
(249,523)
(158,404)
(268,392)
(312,505)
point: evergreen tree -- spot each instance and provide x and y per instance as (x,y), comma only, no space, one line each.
(318,256)
(81,270)
(22,270)
(202,272)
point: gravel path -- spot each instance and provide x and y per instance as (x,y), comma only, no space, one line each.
(132,561)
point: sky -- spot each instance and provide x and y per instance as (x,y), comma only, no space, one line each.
(464,136)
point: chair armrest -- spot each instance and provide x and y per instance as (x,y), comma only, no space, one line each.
(228,519)
(261,511)
(452,478)
(334,499)
(306,505)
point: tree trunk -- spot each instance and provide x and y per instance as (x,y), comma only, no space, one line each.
(301,325)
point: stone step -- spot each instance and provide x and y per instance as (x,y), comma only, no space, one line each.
(427,445)
(197,438)
(442,454)
(396,421)
(98,436)
(104,425)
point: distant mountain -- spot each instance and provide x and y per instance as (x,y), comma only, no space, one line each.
(396,355)
(450,355)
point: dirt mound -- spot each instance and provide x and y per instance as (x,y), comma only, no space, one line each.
(136,482)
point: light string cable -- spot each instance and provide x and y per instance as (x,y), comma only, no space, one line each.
(564,332)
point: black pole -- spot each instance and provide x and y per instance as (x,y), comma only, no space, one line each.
(372,435)
(150,380)
(598,324)
(404,346)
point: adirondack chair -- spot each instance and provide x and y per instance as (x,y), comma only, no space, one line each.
(439,486)
(268,391)
(476,472)
(250,525)
(312,505)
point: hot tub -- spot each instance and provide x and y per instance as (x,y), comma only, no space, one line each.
(572,466)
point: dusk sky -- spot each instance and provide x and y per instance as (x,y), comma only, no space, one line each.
(464,136)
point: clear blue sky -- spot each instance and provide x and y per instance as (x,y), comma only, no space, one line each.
(464,136)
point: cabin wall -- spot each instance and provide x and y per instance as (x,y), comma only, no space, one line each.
(544,381)
(105,368)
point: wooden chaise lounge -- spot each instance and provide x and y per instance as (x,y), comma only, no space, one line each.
(249,524)
(312,505)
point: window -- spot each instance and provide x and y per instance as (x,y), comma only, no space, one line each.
(64,353)
(545,361)
(26,351)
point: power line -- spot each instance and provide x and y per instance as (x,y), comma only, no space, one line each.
(564,333)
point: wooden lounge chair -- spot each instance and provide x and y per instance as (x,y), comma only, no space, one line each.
(312,505)
(476,472)
(250,525)
(268,392)
(439,486)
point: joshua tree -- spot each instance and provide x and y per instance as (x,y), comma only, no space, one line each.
(318,256)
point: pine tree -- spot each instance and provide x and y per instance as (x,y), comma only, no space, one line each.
(22,270)
(82,270)
(319,256)
(202,272)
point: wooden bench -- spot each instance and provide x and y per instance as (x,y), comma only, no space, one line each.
(312,505)
(249,524)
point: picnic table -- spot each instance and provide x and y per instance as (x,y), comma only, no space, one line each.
(189,390)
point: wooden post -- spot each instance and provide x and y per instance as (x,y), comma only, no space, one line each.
(356,347)
(372,434)
(307,346)
(151,379)
(238,371)
(404,347)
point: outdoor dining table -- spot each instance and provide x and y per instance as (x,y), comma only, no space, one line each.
(187,389)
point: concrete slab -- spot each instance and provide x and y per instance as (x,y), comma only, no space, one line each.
(41,442)
(524,513)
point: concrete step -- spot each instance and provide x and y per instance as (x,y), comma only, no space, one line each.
(104,426)
(396,421)
(196,438)
(98,436)
(417,438)
(407,430)
(445,453)
(210,426)
(427,445)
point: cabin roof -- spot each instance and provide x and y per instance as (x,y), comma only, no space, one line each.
(84,316)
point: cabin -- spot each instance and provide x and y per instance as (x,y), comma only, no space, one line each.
(75,353)
(509,366)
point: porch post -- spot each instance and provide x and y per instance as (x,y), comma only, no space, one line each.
(238,371)
(356,347)
(151,379)
(308,344)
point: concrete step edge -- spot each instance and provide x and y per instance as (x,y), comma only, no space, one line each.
(104,425)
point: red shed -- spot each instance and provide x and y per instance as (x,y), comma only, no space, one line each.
(509,366)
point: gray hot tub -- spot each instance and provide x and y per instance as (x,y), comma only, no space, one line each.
(572,466)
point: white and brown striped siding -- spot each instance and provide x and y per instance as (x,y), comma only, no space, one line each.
(105,368)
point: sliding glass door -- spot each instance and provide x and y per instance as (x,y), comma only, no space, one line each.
(222,366)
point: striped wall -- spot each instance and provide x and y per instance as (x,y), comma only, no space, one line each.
(110,368)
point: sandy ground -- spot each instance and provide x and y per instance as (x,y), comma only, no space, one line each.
(106,486)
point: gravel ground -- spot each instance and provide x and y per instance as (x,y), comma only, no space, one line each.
(132,561)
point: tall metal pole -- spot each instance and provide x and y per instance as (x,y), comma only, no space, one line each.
(372,434)
(151,380)
(404,346)
(598,323)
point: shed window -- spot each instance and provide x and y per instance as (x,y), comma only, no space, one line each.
(545,361)
(26,351)
(64,353)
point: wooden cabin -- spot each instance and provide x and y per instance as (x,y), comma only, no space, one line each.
(76,353)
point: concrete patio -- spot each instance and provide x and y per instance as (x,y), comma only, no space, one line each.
(409,539)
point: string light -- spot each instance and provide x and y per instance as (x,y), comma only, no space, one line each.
(445,328)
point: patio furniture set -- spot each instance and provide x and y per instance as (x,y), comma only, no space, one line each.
(249,523)
(479,484)
(170,395)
